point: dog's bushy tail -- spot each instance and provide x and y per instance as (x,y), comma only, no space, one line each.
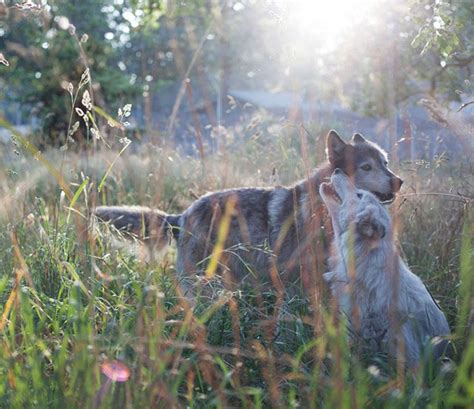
(149,225)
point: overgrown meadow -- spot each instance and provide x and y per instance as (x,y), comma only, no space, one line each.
(89,321)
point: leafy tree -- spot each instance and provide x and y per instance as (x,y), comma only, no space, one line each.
(444,38)
(135,47)
(49,46)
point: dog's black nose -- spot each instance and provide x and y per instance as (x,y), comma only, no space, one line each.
(396,184)
(337,171)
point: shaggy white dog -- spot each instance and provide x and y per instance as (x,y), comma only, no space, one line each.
(387,306)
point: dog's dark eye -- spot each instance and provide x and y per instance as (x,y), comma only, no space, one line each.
(359,195)
(366,167)
(385,163)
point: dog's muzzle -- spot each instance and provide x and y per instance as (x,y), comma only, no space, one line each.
(396,184)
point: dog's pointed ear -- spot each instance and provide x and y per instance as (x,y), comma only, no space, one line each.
(358,138)
(334,147)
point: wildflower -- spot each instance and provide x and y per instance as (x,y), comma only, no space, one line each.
(3,60)
(86,100)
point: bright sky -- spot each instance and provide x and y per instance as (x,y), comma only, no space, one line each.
(326,20)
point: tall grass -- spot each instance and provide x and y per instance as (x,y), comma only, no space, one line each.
(87,323)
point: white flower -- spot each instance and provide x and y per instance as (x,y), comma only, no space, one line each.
(86,100)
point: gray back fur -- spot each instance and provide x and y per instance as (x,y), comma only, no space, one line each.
(270,228)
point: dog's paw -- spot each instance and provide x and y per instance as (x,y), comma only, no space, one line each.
(329,276)
(369,227)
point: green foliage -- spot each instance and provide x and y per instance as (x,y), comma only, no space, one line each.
(52,47)
(134,48)
(444,40)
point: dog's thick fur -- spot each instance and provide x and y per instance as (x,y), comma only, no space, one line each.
(269,227)
(383,300)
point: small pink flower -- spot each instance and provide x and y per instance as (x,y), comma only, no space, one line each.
(116,371)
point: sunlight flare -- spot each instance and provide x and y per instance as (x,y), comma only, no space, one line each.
(326,21)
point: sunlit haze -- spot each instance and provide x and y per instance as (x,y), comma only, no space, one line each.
(325,22)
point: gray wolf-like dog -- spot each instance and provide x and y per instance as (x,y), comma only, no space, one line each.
(386,304)
(270,229)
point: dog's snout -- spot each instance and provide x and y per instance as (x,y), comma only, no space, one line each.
(396,183)
(337,171)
